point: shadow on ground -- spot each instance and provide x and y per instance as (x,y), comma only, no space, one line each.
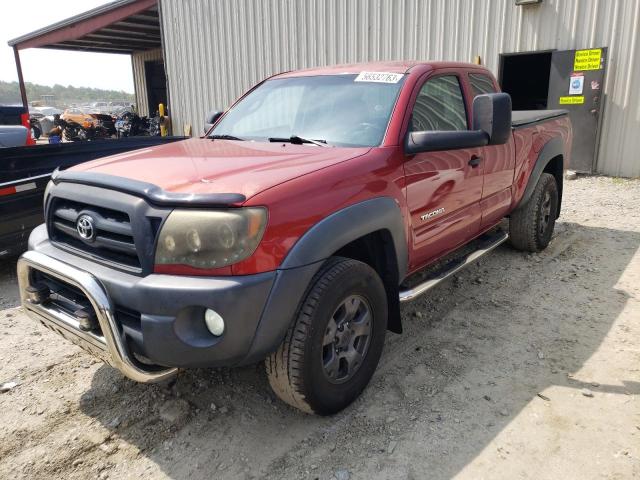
(468,363)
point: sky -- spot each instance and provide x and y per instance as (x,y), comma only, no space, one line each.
(48,67)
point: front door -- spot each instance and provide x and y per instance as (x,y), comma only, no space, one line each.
(443,188)
(576,84)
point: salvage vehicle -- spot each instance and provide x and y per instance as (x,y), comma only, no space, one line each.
(292,231)
(87,126)
(130,124)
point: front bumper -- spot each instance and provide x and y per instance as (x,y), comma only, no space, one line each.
(108,344)
(151,325)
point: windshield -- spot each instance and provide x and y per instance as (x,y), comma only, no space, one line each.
(333,109)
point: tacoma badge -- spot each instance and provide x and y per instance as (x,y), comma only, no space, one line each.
(427,216)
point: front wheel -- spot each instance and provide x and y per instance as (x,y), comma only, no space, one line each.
(531,225)
(333,347)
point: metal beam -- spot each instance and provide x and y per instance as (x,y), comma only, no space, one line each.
(142,20)
(100,37)
(23,90)
(139,26)
(78,48)
(128,44)
(126,32)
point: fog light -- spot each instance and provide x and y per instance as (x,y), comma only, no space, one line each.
(214,322)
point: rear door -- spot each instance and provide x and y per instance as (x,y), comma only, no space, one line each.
(443,188)
(498,160)
(576,84)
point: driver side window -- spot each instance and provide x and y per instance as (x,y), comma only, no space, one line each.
(439,106)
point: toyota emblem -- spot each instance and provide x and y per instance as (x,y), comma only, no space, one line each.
(85,228)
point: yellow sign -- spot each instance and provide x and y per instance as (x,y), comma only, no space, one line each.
(572,100)
(587,60)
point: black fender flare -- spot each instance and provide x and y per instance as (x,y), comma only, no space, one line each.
(309,253)
(553,148)
(348,224)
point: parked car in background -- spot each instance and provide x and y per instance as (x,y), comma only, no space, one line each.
(45,111)
(99,107)
(119,107)
(77,115)
(15,116)
(290,232)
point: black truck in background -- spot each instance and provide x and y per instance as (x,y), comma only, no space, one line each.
(15,126)
(25,172)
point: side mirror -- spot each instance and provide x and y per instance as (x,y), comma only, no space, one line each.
(431,141)
(492,115)
(491,126)
(211,118)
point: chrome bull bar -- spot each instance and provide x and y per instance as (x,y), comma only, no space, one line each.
(110,346)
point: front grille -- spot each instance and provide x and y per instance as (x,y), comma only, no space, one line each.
(113,239)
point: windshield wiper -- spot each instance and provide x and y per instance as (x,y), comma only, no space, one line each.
(296,140)
(225,137)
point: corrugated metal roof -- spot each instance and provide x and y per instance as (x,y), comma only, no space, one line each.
(215,50)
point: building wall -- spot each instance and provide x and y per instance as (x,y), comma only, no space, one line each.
(139,79)
(216,49)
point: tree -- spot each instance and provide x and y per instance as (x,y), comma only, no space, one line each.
(64,96)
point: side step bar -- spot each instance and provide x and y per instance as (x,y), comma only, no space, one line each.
(486,243)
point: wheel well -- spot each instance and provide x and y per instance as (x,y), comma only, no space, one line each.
(555,167)
(377,250)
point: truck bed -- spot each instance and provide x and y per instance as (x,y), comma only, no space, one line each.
(525,118)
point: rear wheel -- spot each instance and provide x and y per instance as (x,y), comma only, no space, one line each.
(333,347)
(531,225)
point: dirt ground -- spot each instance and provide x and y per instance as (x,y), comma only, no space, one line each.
(522,366)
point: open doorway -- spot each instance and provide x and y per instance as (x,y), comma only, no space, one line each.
(570,80)
(525,76)
(156,85)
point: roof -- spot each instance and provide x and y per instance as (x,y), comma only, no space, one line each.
(403,66)
(123,26)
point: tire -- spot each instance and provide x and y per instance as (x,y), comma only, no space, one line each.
(319,367)
(531,224)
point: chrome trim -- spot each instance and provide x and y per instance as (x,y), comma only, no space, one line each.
(111,346)
(22,180)
(490,244)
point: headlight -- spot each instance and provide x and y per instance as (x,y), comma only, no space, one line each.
(210,239)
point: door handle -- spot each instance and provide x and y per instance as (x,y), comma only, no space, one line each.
(475,161)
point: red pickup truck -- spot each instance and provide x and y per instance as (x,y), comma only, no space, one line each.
(290,232)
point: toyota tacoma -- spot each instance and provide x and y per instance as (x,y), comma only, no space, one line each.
(292,231)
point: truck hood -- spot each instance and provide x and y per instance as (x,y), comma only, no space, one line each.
(205,166)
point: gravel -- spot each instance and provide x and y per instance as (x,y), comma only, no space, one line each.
(486,381)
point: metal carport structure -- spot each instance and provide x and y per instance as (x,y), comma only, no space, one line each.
(121,27)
